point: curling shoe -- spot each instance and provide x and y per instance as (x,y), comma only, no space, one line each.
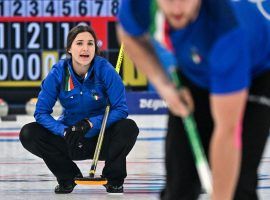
(113,189)
(65,187)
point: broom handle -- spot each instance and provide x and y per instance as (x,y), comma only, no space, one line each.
(99,143)
(201,163)
(104,121)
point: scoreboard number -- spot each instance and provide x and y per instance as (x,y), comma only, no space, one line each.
(2,38)
(33,28)
(58,8)
(33,5)
(17,8)
(66,7)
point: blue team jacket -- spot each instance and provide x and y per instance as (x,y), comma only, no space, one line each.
(88,99)
(226,47)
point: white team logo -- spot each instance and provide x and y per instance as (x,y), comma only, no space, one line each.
(263,6)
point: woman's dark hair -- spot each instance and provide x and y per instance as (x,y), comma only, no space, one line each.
(80,29)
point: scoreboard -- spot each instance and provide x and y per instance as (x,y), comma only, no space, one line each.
(67,8)
(33,37)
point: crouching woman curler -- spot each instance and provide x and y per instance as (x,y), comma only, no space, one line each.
(84,83)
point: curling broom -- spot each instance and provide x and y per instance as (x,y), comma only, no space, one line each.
(201,163)
(91,179)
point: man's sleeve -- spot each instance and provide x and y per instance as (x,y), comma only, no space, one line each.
(230,64)
(134,16)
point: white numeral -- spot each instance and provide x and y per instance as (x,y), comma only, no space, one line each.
(2,36)
(33,67)
(65,26)
(49,26)
(17,72)
(17,38)
(3,67)
(33,43)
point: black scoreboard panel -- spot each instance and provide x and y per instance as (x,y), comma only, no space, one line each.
(28,49)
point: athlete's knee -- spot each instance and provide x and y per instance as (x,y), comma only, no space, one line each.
(131,128)
(126,130)
(27,132)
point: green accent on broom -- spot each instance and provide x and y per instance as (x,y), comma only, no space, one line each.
(153,11)
(66,79)
(201,163)
(190,125)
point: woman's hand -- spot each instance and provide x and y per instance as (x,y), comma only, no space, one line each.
(75,133)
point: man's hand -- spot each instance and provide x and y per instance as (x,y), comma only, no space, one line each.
(75,133)
(179,102)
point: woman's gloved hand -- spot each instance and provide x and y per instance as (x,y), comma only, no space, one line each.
(75,133)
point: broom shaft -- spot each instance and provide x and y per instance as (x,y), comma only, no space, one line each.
(104,121)
(99,142)
(201,163)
